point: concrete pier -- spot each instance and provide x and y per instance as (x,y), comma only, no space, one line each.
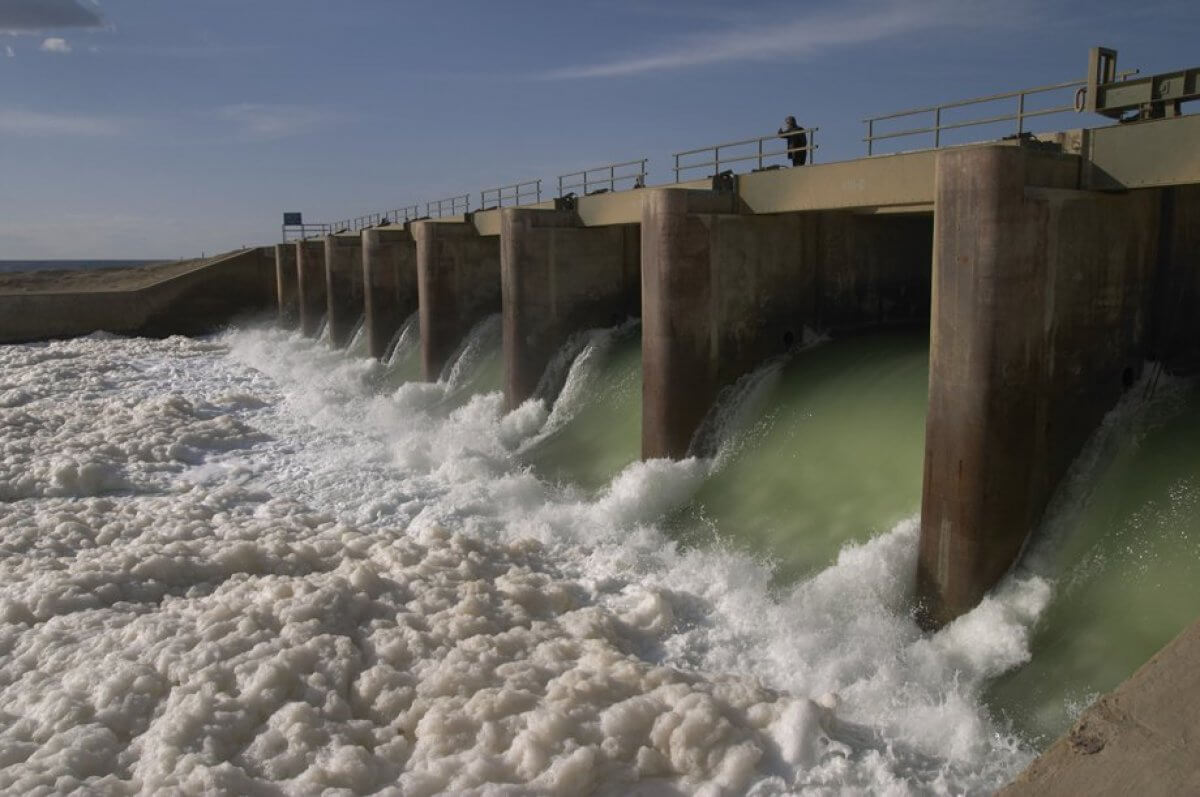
(343,286)
(286,286)
(389,283)
(559,277)
(722,291)
(1040,322)
(310,287)
(458,280)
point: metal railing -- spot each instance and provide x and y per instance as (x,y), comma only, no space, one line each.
(404,214)
(298,232)
(604,178)
(758,153)
(1019,115)
(511,195)
(450,206)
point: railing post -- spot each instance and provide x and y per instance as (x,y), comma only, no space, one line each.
(760,141)
(676,168)
(612,178)
(1020,114)
(937,127)
(716,160)
(870,137)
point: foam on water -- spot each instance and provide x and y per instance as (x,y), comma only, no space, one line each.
(280,577)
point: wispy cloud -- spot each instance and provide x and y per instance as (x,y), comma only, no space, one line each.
(8,50)
(31,16)
(54,44)
(37,123)
(267,122)
(791,38)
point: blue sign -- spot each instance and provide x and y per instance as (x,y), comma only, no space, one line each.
(292,220)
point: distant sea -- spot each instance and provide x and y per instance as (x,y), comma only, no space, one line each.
(7,266)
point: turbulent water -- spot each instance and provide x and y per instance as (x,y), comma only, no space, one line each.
(252,563)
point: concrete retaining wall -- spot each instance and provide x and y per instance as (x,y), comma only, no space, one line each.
(193,303)
(343,286)
(1141,739)
(458,279)
(286,286)
(559,277)
(310,268)
(390,284)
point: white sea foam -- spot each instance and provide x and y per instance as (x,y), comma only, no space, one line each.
(231,566)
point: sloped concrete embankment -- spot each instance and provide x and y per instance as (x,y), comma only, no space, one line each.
(193,303)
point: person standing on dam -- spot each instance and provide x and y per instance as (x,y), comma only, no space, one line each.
(797,141)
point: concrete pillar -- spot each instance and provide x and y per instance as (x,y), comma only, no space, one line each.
(310,285)
(343,286)
(390,284)
(1041,296)
(458,281)
(287,295)
(721,292)
(559,277)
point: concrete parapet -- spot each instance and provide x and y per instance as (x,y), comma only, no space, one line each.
(1039,323)
(343,286)
(287,294)
(310,286)
(197,301)
(1140,739)
(389,284)
(722,291)
(559,277)
(458,281)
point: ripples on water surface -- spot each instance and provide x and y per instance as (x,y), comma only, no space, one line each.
(253,560)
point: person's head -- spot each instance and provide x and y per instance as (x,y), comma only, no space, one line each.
(789,122)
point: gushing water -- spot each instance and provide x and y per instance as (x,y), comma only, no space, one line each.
(250,563)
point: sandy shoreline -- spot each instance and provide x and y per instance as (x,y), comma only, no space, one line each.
(86,280)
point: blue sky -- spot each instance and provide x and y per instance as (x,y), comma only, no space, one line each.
(163,128)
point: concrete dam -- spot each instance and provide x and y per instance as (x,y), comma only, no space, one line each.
(967,334)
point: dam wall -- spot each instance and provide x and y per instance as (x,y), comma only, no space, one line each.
(196,302)
(559,277)
(458,281)
(310,285)
(724,290)
(287,286)
(343,286)
(389,268)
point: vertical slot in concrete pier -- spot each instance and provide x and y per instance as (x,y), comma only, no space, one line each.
(389,283)
(287,296)
(1042,294)
(343,285)
(310,285)
(722,291)
(458,280)
(560,277)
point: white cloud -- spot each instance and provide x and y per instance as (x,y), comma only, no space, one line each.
(37,123)
(261,121)
(55,45)
(8,50)
(30,16)
(794,38)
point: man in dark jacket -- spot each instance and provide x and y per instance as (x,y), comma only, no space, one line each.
(797,141)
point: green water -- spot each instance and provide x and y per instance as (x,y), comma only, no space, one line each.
(1126,567)
(604,434)
(834,455)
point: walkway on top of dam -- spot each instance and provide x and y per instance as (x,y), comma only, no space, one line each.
(1155,150)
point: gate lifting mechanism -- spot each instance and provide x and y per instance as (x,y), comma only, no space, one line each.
(1151,97)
